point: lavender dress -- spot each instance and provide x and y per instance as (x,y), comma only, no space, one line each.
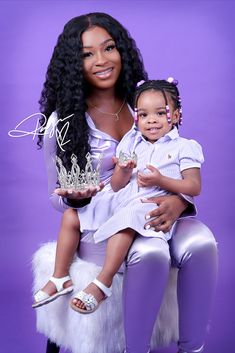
(110,212)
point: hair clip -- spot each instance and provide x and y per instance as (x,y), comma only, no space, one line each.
(135,116)
(168,114)
(180,119)
(172,80)
(140,83)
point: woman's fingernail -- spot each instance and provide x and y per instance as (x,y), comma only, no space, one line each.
(143,199)
(147,216)
(147,226)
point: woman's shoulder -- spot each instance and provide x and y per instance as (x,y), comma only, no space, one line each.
(52,118)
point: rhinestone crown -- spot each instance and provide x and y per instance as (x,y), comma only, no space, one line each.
(76,178)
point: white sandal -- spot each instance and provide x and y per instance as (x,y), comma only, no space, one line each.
(42,298)
(89,300)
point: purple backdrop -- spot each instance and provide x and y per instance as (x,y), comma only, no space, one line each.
(193,41)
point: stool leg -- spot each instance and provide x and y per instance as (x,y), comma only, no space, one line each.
(52,347)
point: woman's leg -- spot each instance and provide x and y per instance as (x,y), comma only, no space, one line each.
(194,252)
(116,252)
(67,244)
(145,280)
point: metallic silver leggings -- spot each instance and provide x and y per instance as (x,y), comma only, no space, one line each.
(193,250)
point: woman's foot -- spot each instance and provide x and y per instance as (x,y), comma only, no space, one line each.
(54,288)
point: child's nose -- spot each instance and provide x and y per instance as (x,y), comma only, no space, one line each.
(152,118)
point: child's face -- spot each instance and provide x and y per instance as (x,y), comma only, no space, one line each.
(152,118)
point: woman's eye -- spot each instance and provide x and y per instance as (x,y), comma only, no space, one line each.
(110,47)
(86,55)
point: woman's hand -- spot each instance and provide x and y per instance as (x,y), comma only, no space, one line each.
(169,210)
(79,194)
(152,178)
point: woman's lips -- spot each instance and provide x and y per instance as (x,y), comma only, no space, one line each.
(104,73)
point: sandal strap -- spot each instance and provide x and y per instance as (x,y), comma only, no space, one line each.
(88,300)
(40,295)
(107,291)
(59,282)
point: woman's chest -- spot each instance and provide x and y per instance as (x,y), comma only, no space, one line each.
(115,128)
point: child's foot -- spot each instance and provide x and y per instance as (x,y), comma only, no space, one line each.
(50,287)
(88,300)
(54,288)
(91,289)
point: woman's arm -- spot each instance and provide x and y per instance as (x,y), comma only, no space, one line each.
(49,147)
(189,185)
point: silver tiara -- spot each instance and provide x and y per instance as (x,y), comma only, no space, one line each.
(124,157)
(76,178)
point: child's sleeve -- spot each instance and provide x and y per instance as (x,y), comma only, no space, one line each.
(191,155)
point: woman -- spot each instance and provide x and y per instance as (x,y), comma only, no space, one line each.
(91,78)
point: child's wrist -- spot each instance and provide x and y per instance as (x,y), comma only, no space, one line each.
(160,180)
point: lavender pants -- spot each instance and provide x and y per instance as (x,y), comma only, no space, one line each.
(193,250)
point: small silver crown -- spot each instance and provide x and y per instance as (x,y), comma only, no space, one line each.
(125,157)
(76,178)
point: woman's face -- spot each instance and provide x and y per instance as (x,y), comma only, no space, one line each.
(101,59)
(152,117)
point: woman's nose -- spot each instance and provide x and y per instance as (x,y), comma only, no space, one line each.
(100,58)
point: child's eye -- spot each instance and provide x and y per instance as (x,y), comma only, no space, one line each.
(161,113)
(142,115)
(86,54)
(110,47)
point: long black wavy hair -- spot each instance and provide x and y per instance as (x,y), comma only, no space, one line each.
(65,89)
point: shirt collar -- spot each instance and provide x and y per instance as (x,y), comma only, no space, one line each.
(171,135)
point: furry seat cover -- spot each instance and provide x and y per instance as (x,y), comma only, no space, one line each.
(102,331)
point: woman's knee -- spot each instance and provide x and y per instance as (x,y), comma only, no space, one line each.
(149,250)
(192,238)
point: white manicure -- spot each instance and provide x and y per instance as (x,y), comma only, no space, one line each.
(148,226)
(147,216)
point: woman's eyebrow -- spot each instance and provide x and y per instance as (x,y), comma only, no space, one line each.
(102,43)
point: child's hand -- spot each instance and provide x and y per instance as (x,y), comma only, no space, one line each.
(127,166)
(149,179)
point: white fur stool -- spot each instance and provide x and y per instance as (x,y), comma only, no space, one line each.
(102,331)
